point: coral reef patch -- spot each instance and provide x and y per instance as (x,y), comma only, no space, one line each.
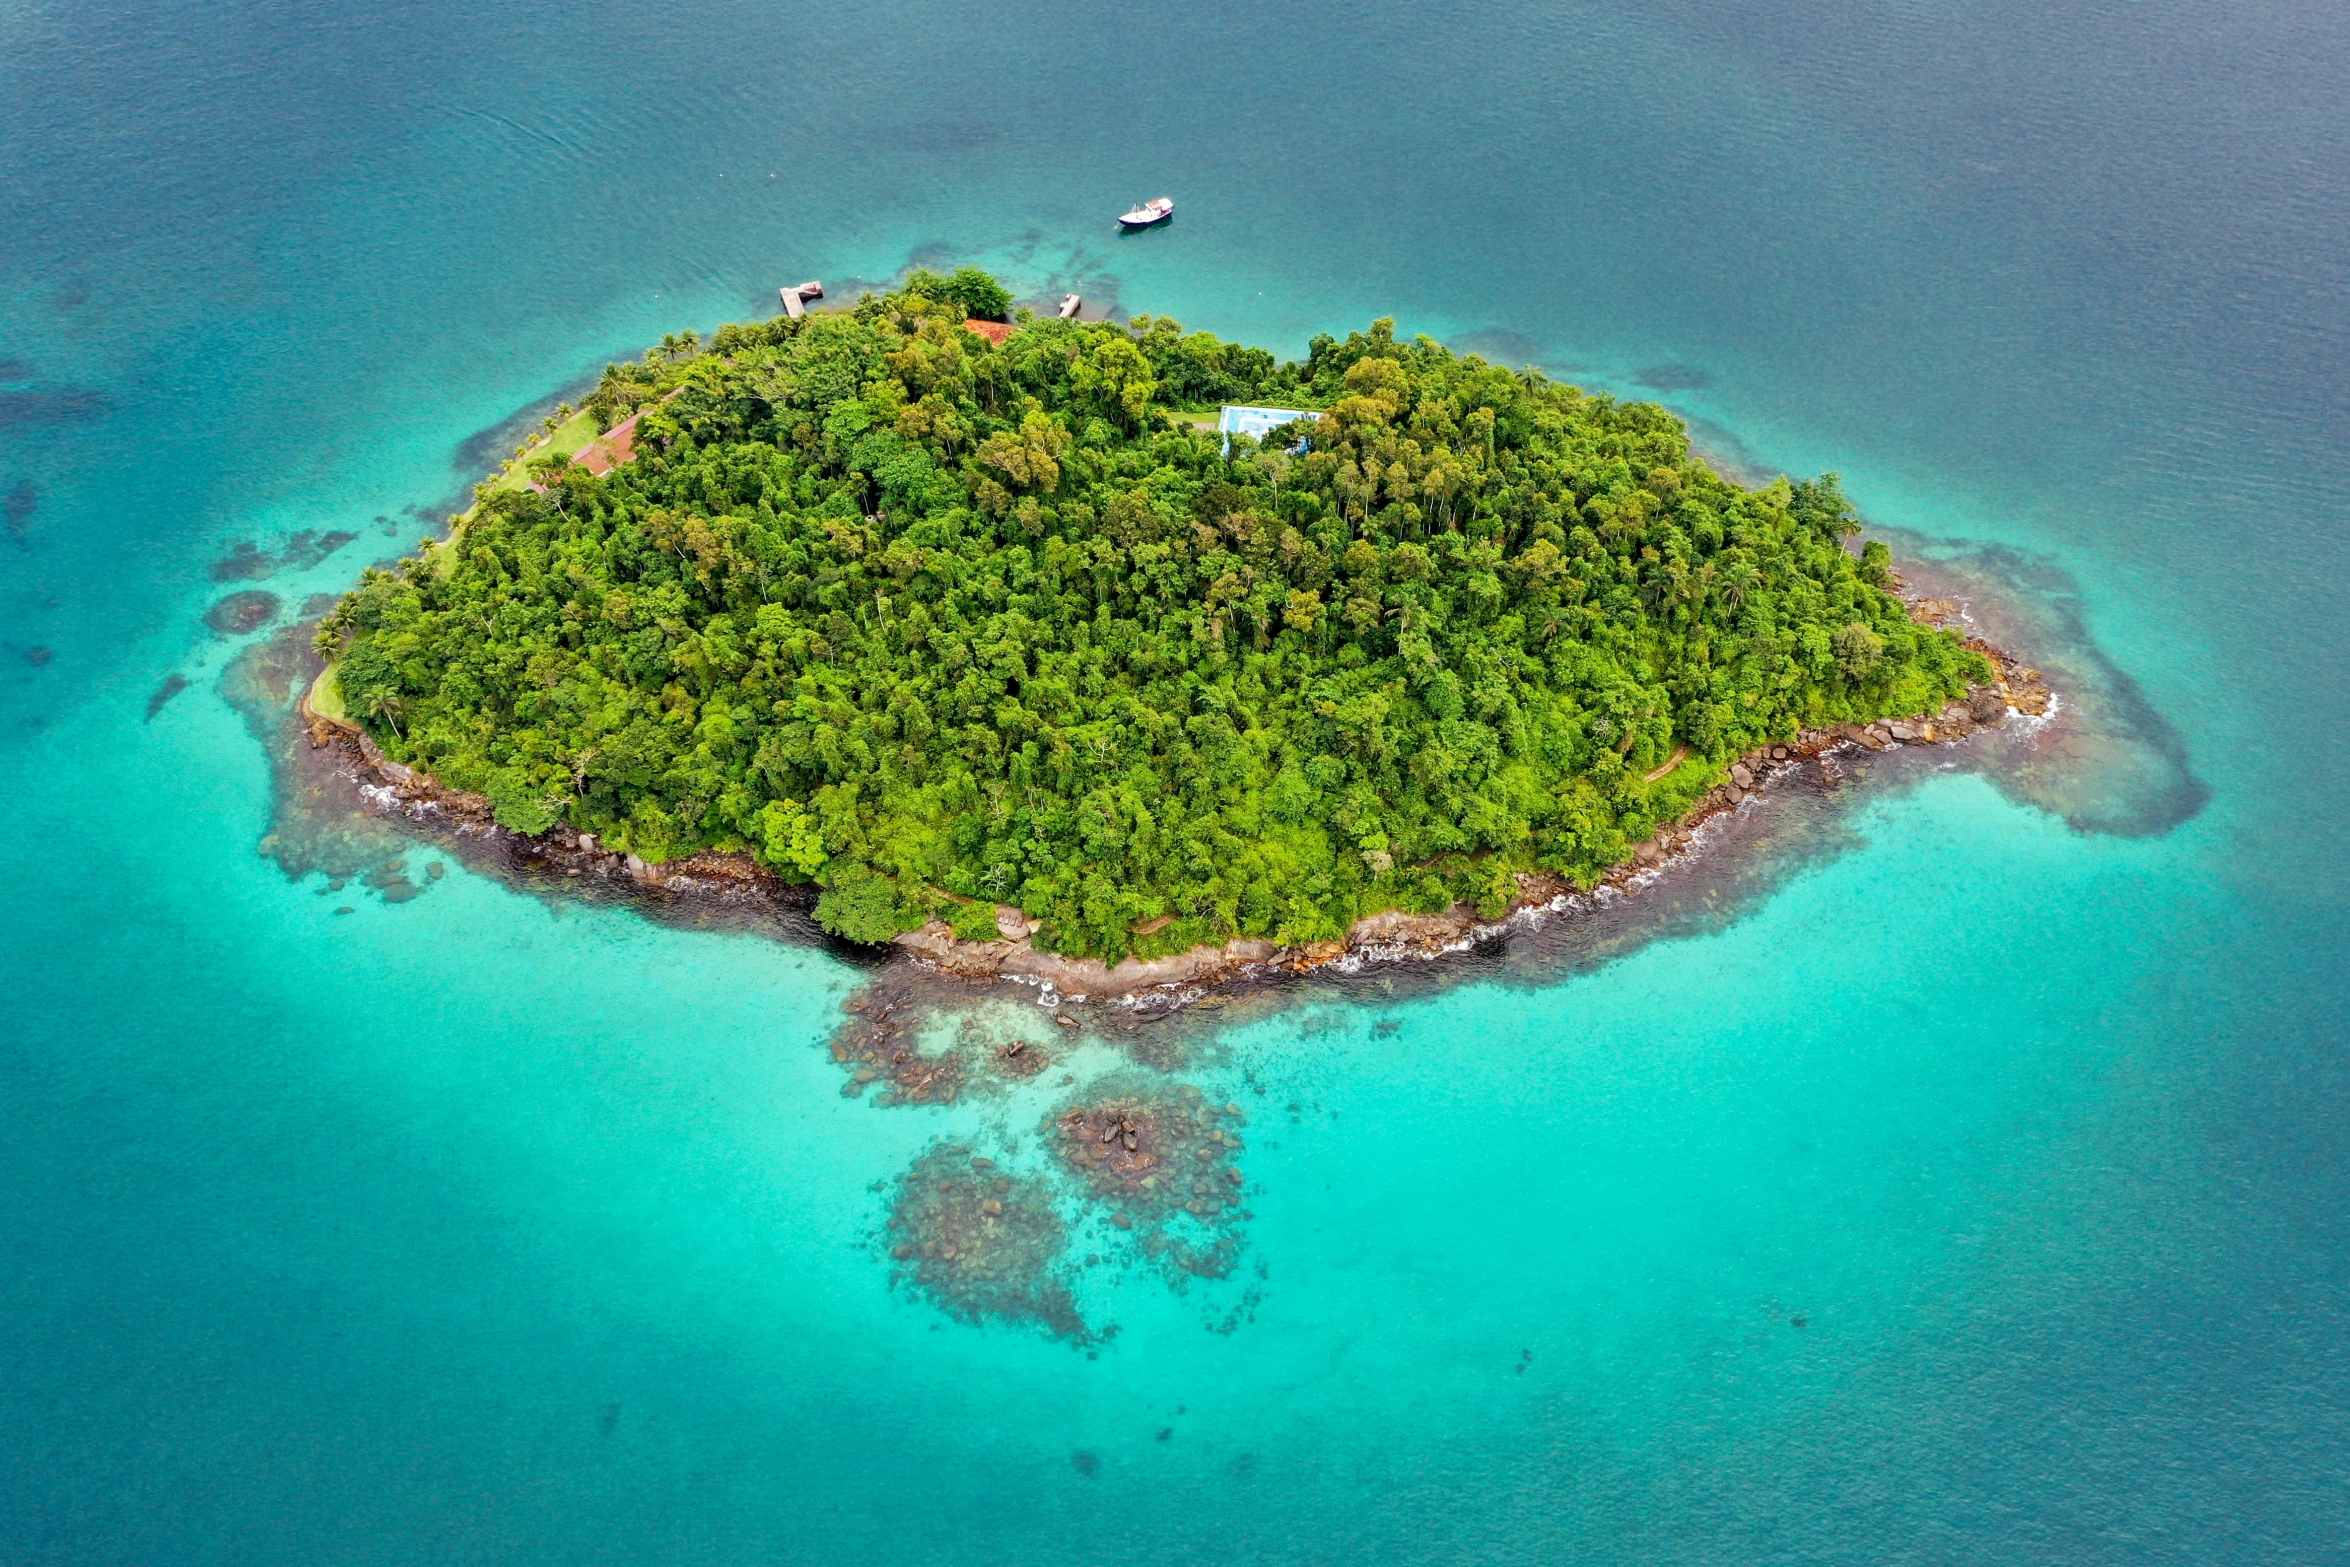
(1158,1159)
(247,561)
(979,1242)
(240,613)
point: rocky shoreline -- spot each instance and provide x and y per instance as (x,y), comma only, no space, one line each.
(1396,935)
(397,789)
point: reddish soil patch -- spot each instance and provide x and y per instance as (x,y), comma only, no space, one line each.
(994,331)
(616,445)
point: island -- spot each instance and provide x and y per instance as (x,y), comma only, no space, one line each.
(1007,641)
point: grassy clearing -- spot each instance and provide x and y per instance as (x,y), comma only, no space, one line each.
(566,439)
(326,697)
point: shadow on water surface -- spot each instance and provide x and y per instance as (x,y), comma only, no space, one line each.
(54,405)
(247,561)
(479,454)
(326,821)
(2109,762)
(1106,1152)
(1497,346)
(23,499)
(1672,378)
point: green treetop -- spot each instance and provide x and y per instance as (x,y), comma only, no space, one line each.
(937,624)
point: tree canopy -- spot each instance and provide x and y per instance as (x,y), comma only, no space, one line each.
(935,624)
(976,291)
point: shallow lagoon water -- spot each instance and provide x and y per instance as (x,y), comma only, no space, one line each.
(483,1226)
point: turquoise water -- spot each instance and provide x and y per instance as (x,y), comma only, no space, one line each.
(1959,1179)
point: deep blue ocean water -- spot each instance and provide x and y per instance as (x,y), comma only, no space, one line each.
(1971,1182)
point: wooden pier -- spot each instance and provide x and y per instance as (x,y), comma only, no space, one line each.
(796,296)
(1070,306)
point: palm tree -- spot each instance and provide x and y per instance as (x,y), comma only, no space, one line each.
(547,472)
(384,706)
(1741,579)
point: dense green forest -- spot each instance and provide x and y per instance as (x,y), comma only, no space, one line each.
(937,624)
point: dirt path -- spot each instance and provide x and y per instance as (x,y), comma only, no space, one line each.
(1680,754)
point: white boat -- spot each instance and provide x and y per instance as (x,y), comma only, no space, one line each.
(1157,210)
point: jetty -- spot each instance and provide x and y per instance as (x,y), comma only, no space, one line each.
(796,296)
(1070,306)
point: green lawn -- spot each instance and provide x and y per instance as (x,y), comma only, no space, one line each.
(566,439)
(326,696)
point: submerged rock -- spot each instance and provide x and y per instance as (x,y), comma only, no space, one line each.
(878,1043)
(1152,1154)
(978,1243)
(240,613)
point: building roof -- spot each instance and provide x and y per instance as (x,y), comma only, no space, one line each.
(1238,420)
(609,450)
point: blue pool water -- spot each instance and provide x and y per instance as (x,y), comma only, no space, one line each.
(1961,1173)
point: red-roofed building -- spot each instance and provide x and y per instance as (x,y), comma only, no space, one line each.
(609,450)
